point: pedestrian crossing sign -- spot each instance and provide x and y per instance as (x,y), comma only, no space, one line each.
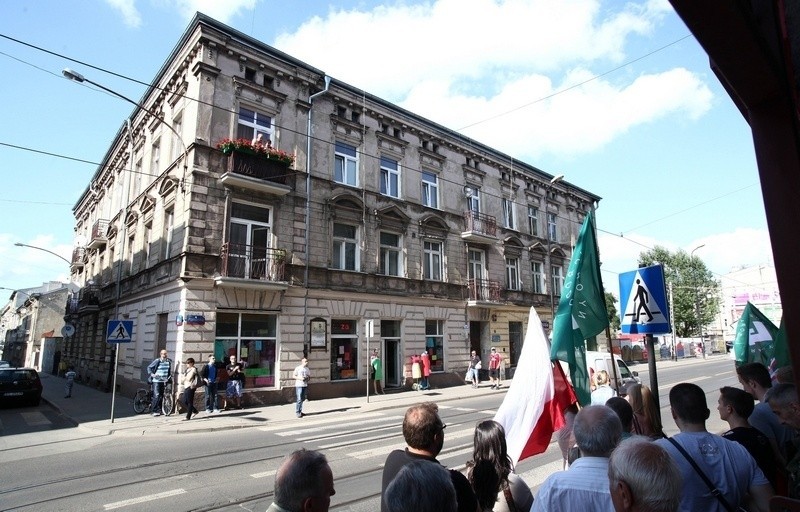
(119,331)
(643,302)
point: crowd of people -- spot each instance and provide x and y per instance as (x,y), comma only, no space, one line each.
(617,458)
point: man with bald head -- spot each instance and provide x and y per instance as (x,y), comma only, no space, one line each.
(584,486)
(303,483)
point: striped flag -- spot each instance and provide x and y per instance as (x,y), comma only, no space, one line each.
(539,394)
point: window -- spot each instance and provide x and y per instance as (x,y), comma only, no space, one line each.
(344,348)
(177,143)
(390,177)
(538,276)
(473,199)
(533,220)
(249,242)
(169,219)
(250,74)
(131,253)
(514,342)
(509,220)
(345,247)
(148,242)
(430,189)
(551,226)
(434,344)
(512,274)
(251,123)
(432,261)
(558,279)
(252,338)
(155,156)
(345,165)
(391,263)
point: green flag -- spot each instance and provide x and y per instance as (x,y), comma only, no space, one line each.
(756,340)
(581,310)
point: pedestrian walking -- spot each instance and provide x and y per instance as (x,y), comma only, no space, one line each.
(301,377)
(494,368)
(472,369)
(70,376)
(191,381)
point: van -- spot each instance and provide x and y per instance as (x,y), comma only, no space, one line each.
(596,361)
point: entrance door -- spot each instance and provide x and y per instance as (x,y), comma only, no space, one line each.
(393,363)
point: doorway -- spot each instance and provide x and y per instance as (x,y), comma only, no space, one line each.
(393,363)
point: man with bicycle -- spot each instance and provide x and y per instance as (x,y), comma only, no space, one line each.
(160,371)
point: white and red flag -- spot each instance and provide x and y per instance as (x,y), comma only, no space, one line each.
(539,394)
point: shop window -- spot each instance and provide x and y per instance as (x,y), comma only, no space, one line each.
(434,344)
(344,344)
(252,338)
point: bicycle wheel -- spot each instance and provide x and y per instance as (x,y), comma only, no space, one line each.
(140,401)
(167,403)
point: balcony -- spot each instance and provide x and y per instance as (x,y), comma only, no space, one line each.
(483,291)
(479,228)
(247,266)
(99,236)
(78,254)
(257,173)
(89,299)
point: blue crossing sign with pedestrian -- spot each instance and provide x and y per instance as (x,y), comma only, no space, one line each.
(119,331)
(643,301)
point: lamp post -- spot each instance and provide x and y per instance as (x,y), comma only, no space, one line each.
(18,244)
(553,181)
(697,301)
(77,77)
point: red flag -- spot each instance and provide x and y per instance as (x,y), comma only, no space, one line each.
(539,394)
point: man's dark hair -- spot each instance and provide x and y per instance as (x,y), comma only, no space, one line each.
(688,401)
(421,424)
(741,401)
(756,372)
(299,478)
(623,410)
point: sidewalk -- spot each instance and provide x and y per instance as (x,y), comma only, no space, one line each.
(91,409)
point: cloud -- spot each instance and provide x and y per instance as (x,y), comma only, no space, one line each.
(127,8)
(497,65)
(223,11)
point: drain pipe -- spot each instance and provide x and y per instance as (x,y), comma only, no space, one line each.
(306,343)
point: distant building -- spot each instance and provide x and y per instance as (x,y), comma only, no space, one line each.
(29,318)
(382,215)
(757,284)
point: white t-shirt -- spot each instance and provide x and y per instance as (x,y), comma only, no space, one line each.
(301,376)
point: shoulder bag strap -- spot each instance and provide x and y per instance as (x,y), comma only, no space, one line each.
(509,498)
(714,491)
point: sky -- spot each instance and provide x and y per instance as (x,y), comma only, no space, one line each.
(616,96)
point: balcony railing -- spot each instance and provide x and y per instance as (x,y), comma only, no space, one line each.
(77,257)
(99,234)
(484,290)
(251,262)
(89,298)
(479,226)
(258,173)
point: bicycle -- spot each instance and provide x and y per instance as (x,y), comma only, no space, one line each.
(143,400)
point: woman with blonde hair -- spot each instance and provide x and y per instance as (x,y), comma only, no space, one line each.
(491,474)
(603,391)
(646,416)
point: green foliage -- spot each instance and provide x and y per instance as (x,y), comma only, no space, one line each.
(613,314)
(696,294)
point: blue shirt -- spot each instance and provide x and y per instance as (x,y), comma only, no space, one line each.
(212,373)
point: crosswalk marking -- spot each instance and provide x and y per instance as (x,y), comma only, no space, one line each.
(539,474)
(264,474)
(35,418)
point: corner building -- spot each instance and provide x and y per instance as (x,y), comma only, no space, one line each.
(444,243)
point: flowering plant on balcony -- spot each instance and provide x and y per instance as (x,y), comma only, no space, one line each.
(247,146)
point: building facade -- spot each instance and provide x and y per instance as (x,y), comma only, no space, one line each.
(375,214)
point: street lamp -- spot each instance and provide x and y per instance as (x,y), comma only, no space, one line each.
(77,77)
(553,181)
(697,302)
(18,244)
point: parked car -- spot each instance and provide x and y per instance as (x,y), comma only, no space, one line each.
(20,385)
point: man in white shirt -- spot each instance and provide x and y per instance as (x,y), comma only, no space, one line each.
(584,486)
(301,377)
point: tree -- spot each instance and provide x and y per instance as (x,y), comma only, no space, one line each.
(694,289)
(613,315)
